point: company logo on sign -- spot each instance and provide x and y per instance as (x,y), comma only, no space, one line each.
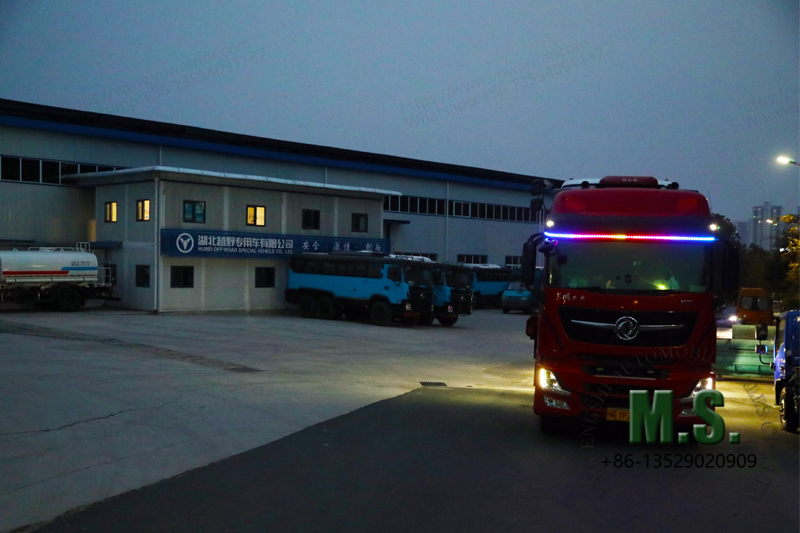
(626,328)
(185,243)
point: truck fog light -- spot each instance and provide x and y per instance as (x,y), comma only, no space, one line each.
(707,383)
(687,412)
(408,306)
(558,404)
(548,381)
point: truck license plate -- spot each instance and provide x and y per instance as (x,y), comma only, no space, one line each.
(618,415)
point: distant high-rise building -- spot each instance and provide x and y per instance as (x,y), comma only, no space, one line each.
(766,226)
(743,229)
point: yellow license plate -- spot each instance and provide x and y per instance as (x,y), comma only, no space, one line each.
(618,415)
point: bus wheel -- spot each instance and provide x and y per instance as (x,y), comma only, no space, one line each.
(426,319)
(786,410)
(308,306)
(325,308)
(549,424)
(380,314)
(409,320)
(447,321)
(68,299)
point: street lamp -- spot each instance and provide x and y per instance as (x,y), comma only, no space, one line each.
(783,160)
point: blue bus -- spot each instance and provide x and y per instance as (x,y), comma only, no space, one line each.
(359,283)
(452,289)
(489,282)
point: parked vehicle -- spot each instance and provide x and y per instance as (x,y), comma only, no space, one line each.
(489,282)
(452,288)
(726,317)
(517,297)
(754,306)
(66,277)
(375,284)
(631,269)
(786,367)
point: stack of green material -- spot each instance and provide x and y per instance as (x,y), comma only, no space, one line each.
(737,357)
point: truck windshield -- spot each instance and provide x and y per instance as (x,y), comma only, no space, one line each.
(516,286)
(417,276)
(458,279)
(629,266)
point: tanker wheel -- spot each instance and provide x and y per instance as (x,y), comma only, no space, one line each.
(380,313)
(68,299)
(326,308)
(447,321)
(786,410)
(308,306)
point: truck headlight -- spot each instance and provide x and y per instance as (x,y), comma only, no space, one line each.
(732,319)
(707,383)
(548,381)
(408,306)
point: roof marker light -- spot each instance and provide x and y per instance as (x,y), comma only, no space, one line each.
(625,237)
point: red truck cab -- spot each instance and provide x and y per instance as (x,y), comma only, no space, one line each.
(631,265)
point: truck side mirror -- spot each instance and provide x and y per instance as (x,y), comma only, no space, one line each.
(725,268)
(762,332)
(528,267)
(532,327)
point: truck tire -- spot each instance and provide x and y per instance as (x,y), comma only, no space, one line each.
(380,313)
(68,299)
(506,310)
(326,309)
(786,410)
(426,319)
(549,424)
(308,306)
(447,321)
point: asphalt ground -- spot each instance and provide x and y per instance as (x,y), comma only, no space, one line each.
(442,459)
(275,423)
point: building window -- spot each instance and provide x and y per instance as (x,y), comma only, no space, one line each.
(472,258)
(513,260)
(358,223)
(142,211)
(142,275)
(31,170)
(310,219)
(256,215)
(51,172)
(194,211)
(111,212)
(265,277)
(181,277)
(10,168)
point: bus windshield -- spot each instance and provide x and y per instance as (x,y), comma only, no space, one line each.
(417,276)
(459,279)
(629,266)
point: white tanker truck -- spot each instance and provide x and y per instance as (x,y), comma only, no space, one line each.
(66,277)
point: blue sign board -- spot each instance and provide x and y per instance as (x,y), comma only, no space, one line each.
(201,243)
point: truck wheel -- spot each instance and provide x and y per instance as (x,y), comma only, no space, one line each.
(426,319)
(326,308)
(380,314)
(786,410)
(409,320)
(549,424)
(506,310)
(478,303)
(68,299)
(447,321)
(308,306)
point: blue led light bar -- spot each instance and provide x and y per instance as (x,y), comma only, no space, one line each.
(626,237)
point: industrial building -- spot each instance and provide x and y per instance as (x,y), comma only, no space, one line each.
(135,188)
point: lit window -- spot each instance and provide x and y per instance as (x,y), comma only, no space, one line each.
(111,212)
(256,215)
(142,210)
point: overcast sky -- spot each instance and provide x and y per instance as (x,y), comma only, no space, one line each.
(702,92)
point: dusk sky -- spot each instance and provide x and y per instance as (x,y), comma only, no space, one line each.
(702,92)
